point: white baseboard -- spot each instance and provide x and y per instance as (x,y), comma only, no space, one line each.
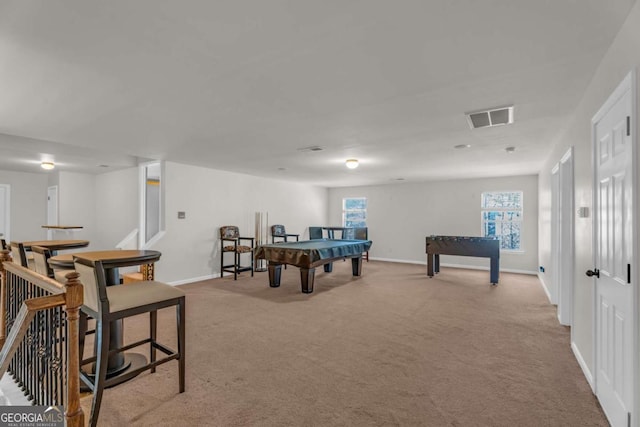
(193,279)
(545,288)
(401,261)
(583,366)
(465,266)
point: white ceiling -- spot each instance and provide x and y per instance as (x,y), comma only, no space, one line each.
(245,85)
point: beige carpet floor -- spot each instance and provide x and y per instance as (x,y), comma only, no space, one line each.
(392,347)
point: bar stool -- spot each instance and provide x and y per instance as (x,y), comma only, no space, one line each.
(110,303)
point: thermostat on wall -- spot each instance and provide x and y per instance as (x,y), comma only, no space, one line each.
(583,212)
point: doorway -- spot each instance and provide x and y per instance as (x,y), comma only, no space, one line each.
(5,211)
(52,209)
(562,229)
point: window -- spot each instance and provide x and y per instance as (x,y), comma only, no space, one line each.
(354,212)
(502,218)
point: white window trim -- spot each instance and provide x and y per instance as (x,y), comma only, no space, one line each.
(483,210)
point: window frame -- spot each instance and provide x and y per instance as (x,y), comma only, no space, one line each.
(519,209)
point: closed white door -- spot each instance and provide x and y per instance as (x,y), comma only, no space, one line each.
(4,212)
(52,209)
(613,245)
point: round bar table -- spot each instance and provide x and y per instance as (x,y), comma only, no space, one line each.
(112,260)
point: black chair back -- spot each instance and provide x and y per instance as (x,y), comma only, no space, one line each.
(315,233)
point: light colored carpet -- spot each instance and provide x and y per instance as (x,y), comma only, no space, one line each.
(392,347)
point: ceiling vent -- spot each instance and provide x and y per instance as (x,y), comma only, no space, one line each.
(489,118)
(312,148)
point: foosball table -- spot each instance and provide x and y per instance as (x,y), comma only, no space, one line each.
(488,247)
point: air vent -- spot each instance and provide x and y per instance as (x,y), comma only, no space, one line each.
(312,148)
(489,118)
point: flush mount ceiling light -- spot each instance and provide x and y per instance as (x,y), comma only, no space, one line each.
(490,117)
(351,163)
(47,165)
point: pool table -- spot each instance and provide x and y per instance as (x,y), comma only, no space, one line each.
(309,254)
(467,246)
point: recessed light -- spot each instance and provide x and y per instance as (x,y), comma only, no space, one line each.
(47,165)
(462,146)
(510,150)
(282,169)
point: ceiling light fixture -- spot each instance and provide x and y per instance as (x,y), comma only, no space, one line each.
(351,163)
(47,165)
(510,150)
(462,146)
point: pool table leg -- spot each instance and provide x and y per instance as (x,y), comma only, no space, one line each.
(356,266)
(306,279)
(328,267)
(275,272)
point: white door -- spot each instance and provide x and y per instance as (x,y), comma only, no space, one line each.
(613,247)
(52,209)
(4,212)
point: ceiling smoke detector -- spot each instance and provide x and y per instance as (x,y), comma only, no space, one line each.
(488,118)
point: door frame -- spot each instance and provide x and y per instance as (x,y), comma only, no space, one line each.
(566,239)
(554,290)
(52,202)
(7,212)
(627,83)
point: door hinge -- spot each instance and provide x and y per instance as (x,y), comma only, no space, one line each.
(628,125)
(628,273)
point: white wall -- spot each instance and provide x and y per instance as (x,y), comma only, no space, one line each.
(107,207)
(400,216)
(77,204)
(28,204)
(622,56)
(117,205)
(212,198)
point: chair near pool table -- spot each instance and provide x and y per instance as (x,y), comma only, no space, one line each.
(315,233)
(362,233)
(231,233)
(278,232)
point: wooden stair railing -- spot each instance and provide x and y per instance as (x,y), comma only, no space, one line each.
(36,295)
